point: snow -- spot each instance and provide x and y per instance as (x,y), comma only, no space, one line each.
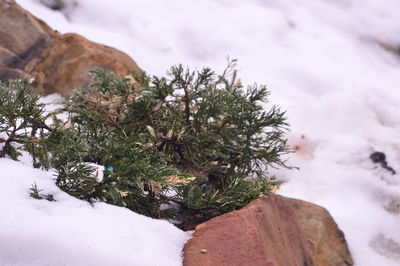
(324,62)
(72,232)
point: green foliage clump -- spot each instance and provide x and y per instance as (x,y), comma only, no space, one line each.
(189,146)
(36,193)
(21,119)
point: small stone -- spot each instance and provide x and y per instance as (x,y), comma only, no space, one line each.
(204,251)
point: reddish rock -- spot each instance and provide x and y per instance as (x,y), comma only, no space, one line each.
(273,231)
(265,232)
(58,63)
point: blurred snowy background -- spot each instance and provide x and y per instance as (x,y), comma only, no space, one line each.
(334,65)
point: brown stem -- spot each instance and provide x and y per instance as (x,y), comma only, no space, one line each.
(162,145)
(44,126)
(7,143)
(187,104)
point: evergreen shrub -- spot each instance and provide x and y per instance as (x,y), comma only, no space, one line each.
(188,146)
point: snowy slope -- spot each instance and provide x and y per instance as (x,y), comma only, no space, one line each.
(323,61)
(71,232)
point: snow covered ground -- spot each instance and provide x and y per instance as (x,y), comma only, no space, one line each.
(324,62)
(71,232)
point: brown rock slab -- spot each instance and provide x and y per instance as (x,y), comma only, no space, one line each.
(58,63)
(273,231)
(326,242)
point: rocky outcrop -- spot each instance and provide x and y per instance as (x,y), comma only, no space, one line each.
(58,63)
(273,231)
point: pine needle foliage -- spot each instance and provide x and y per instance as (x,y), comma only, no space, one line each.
(36,193)
(193,139)
(21,119)
(188,146)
